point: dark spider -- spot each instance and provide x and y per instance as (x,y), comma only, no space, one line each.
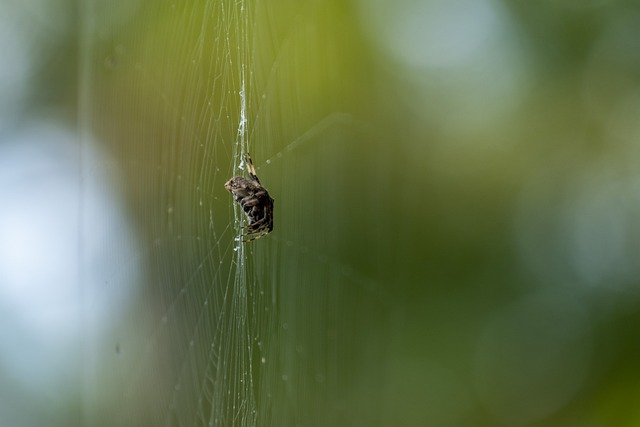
(254,200)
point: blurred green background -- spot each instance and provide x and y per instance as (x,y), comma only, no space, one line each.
(457,213)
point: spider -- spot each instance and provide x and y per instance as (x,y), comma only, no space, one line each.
(255,202)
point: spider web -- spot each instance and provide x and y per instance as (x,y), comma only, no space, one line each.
(220,333)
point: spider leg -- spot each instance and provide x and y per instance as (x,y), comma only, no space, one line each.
(251,202)
(253,228)
(255,236)
(255,231)
(250,168)
(256,224)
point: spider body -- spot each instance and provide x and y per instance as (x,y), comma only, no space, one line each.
(255,201)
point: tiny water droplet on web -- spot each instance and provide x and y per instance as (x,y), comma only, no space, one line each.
(268,161)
